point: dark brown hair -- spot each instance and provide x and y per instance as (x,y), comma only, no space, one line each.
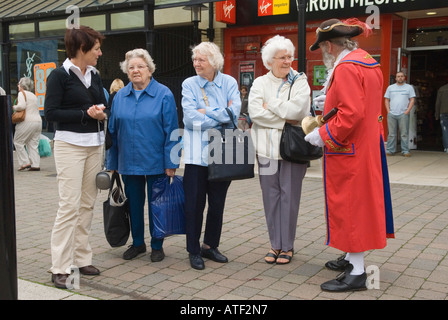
(82,38)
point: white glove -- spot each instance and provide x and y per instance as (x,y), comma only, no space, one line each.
(319,102)
(314,138)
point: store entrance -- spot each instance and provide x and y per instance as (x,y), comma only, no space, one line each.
(428,72)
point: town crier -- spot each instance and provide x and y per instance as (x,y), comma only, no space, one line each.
(356,183)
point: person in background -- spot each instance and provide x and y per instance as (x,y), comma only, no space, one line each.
(143,117)
(205,98)
(27,133)
(399,100)
(278,97)
(244,119)
(116,85)
(356,183)
(441,113)
(75,102)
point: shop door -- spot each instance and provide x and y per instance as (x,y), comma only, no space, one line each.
(428,72)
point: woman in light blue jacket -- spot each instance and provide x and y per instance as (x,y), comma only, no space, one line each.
(205,98)
(142,120)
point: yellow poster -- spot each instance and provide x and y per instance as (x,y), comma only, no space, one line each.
(280,7)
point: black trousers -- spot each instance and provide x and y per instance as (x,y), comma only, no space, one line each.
(197,189)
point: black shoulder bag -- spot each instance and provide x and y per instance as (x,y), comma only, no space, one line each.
(293,147)
(232,152)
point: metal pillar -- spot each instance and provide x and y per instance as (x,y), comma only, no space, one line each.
(301,47)
(8,257)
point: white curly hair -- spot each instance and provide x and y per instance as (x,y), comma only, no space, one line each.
(272,46)
(213,53)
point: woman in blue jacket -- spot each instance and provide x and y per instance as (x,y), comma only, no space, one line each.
(142,119)
(205,98)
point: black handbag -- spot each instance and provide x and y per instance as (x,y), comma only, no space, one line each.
(293,147)
(116,219)
(235,154)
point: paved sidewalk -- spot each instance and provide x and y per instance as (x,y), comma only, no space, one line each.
(412,266)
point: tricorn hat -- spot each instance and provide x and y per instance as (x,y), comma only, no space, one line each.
(335,28)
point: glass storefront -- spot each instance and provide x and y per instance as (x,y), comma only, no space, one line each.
(243,51)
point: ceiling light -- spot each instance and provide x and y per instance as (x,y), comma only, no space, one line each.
(431,13)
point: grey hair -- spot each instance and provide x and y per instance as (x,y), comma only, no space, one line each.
(26,83)
(345,42)
(138,53)
(272,46)
(213,53)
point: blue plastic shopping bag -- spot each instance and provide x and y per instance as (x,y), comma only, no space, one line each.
(167,205)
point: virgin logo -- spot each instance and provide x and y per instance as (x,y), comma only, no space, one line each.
(264,7)
(228,9)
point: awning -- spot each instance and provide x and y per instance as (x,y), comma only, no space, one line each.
(13,10)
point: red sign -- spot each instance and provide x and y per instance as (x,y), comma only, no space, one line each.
(225,11)
(264,8)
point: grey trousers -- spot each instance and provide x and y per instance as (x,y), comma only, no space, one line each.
(281,190)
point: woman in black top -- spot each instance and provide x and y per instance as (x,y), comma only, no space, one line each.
(75,102)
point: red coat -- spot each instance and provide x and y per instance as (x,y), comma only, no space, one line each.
(356,183)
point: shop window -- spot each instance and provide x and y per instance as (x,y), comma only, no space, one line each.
(423,37)
(97,23)
(21,31)
(25,55)
(127,20)
(52,28)
(427,32)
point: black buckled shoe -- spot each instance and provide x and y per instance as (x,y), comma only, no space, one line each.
(346,282)
(132,252)
(339,264)
(213,254)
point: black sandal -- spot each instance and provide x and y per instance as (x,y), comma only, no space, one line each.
(284,255)
(272,254)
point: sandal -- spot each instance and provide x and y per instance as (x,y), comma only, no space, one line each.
(285,255)
(272,254)
(24,167)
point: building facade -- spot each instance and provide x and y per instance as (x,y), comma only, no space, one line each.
(408,35)
(32,37)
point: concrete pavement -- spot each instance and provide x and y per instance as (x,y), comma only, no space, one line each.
(414,265)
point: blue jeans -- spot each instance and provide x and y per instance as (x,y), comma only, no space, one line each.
(444,124)
(400,122)
(134,187)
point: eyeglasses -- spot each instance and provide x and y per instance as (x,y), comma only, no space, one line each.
(285,58)
(139,67)
(200,61)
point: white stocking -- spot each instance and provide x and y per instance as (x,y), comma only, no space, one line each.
(357,260)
